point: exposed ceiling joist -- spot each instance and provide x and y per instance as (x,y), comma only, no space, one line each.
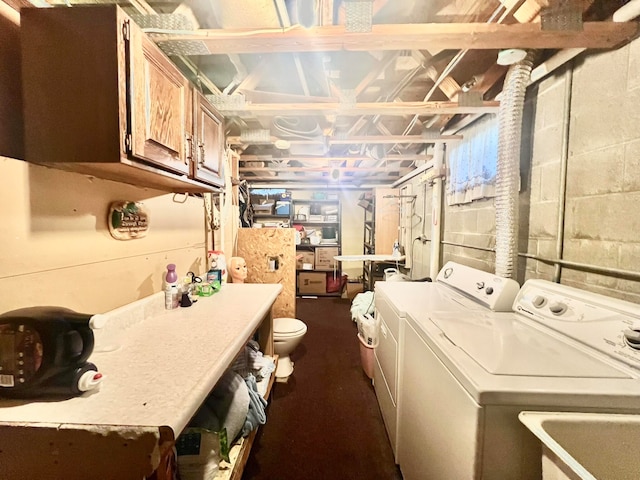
(427,36)
(365,108)
(305,159)
(369,139)
(321,169)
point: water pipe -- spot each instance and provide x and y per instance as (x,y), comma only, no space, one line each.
(564,161)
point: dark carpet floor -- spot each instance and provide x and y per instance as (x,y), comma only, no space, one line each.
(325,422)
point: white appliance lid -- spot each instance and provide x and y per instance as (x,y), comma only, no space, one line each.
(503,345)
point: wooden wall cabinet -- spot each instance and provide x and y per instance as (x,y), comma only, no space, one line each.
(208,141)
(101,98)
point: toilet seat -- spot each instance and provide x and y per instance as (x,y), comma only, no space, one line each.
(288,327)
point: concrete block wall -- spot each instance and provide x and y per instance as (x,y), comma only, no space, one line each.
(602,213)
(472,225)
(603,173)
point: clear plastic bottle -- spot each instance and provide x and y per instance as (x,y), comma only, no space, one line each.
(171,291)
(396,250)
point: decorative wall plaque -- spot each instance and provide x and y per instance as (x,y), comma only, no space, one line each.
(128,220)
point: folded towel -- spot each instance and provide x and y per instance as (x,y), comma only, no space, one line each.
(226,407)
(251,361)
(257,414)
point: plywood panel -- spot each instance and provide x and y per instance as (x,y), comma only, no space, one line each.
(57,249)
(257,245)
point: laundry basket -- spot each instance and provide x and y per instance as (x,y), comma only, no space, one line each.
(368,328)
(366,357)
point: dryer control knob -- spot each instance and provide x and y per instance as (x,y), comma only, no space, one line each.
(489,290)
(558,308)
(632,338)
(539,301)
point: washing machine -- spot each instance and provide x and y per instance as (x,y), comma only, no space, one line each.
(466,375)
(456,287)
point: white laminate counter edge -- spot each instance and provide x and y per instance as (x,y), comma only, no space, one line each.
(166,366)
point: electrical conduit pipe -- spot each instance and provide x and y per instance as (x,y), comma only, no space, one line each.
(627,12)
(508,174)
(436,214)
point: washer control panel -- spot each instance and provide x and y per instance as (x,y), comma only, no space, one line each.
(494,292)
(606,324)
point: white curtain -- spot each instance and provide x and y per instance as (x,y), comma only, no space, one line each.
(473,162)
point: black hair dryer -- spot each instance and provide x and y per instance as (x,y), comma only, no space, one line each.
(44,351)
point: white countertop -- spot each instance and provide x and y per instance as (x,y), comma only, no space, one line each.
(167,364)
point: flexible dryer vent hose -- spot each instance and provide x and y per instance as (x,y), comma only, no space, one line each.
(508,174)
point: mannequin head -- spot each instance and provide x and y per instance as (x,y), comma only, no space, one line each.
(237,270)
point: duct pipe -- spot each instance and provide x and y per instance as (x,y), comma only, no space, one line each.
(508,174)
(564,161)
(436,211)
(627,12)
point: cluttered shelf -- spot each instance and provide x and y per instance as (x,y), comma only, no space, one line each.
(239,454)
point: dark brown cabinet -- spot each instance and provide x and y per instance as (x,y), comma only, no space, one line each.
(101,98)
(208,142)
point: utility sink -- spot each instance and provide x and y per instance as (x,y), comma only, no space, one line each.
(586,445)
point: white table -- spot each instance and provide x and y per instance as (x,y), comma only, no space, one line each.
(370,259)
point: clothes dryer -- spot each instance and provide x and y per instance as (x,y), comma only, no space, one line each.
(456,287)
(466,375)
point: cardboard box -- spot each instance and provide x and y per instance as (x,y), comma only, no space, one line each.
(324,258)
(265,208)
(312,283)
(305,258)
(283,208)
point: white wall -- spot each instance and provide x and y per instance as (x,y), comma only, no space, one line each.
(57,249)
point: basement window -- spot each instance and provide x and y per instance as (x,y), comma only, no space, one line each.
(473,162)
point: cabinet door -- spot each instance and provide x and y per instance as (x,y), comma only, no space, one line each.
(208,142)
(160,115)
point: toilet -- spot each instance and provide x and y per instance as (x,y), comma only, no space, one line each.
(287,334)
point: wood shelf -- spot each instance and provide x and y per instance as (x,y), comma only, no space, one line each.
(319,222)
(308,245)
(243,447)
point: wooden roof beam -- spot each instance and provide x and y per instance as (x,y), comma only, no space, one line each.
(427,36)
(327,169)
(364,108)
(379,139)
(388,158)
